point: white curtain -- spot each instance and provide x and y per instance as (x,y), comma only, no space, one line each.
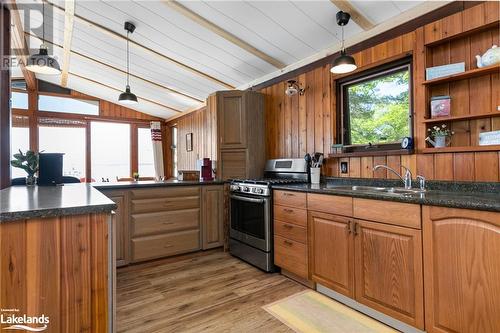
(157,149)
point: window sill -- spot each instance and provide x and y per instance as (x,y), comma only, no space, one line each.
(373,153)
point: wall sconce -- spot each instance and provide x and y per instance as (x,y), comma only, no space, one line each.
(293,88)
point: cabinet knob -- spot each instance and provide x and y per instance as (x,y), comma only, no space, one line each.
(286,242)
(288,210)
(288,226)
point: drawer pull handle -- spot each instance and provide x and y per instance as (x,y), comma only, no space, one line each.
(167,223)
(288,226)
(348,227)
(288,194)
(167,246)
(287,243)
(288,210)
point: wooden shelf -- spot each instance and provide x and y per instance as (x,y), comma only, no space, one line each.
(464,117)
(465,75)
(373,153)
(461,149)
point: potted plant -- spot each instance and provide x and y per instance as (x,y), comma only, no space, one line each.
(29,163)
(135,175)
(441,134)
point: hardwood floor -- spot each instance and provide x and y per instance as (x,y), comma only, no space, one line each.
(205,292)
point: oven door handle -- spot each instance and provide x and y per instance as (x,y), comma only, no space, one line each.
(237,197)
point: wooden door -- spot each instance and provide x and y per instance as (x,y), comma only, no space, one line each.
(212,216)
(388,270)
(332,252)
(120,232)
(461,270)
(232,119)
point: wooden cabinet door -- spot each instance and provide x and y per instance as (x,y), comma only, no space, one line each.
(232,119)
(388,270)
(461,270)
(331,252)
(212,216)
(233,164)
(120,231)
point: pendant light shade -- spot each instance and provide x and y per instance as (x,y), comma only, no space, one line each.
(127,97)
(343,63)
(41,62)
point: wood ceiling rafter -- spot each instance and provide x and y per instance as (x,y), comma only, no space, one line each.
(69,20)
(171,90)
(118,90)
(356,16)
(20,47)
(115,34)
(186,12)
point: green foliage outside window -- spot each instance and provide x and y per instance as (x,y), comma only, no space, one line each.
(379,109)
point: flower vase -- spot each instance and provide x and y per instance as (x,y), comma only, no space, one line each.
(30,181)
(440,141)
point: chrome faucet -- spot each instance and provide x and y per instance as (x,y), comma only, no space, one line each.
(406,179)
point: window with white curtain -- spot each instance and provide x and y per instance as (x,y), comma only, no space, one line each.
(145,153)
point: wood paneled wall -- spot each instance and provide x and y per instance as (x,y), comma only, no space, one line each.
(299,124)
(57,267)
(202,123)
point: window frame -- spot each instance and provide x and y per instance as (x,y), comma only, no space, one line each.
(343,128)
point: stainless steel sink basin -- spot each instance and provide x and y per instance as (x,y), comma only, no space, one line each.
(375,189)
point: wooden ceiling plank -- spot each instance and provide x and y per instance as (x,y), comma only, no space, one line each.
(69,19)
(171,90)
(179,8)
(118,90)
(356,16)
(138,45)
(20,47)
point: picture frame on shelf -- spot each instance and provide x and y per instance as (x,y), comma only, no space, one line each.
(440,106)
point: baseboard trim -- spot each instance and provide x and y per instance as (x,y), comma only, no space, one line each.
(399,325)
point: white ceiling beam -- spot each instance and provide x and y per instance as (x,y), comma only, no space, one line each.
(115,34)
(170,90)
(186,12)
(356,16)
(118,90)
(69,19)
(20,47)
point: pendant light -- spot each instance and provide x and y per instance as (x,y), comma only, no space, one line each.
(127,97)
(41,62)
(344,63)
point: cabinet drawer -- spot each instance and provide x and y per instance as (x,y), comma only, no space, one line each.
(287,198)
(169,191)
(291,256)
(290,215)
(156,223)
(164,204)
(397,213)
(332,204)
(291,231)
(150,247)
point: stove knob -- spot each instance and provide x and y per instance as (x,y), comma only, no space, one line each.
(246,189)
(259,191)
(235,188)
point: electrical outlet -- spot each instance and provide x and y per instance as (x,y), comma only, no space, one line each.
(344,167)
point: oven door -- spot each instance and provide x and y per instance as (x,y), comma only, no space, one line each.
(251,221)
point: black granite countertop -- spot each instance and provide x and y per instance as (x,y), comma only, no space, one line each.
(24,202)
(146,184)
(453,196)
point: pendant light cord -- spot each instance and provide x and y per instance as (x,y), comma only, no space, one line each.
(128,66)
(43,22)
(343,47)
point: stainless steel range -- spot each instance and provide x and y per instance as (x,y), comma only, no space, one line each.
(251,226)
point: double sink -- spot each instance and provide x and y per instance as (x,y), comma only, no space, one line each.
(396,191)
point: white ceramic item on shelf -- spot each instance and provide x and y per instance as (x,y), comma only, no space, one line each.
(490,57)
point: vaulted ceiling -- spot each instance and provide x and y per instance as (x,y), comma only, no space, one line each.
(183,51)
